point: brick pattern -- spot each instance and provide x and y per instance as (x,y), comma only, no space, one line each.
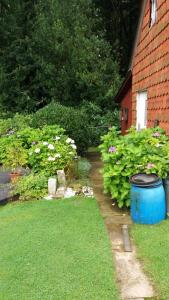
(151,66)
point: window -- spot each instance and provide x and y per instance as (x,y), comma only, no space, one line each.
(141,110)
(153,11)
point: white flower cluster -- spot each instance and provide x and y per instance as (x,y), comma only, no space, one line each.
(71,142)
(45,143)
(51,158)
(57,138)
(51,147)
(37,150)
(73,146)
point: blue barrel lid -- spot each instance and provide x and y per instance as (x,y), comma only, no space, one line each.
(145,180)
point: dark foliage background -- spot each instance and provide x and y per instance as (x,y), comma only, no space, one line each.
(64,61)
(72,50)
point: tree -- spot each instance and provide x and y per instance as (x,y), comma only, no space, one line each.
(56,49)
(120,18)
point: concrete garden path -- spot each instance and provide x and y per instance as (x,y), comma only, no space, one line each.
(132,281)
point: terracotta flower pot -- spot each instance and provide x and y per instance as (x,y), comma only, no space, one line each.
(14,176)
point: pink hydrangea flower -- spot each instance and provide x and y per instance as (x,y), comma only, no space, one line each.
(150,166)
(112,149)
(156,134)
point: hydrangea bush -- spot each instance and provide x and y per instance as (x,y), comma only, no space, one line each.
(52,155)
(48,148)
(146,151)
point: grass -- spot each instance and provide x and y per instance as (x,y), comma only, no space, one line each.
(153,248)
(55,250)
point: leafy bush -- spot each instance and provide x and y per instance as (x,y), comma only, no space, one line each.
(146,151)
(50,157)
(83,168)
(11,125)
(74,121)
(31,136)
(56,150)
(99,121)
(31,187)
(16,156)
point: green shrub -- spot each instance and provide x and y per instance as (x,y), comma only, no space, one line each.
(31,187)
(30,136)
(16,156)
(29,140)
(74,121)
(11,125)
(146,151)
(52,155)
(4,143)
(83,168)
(99,121)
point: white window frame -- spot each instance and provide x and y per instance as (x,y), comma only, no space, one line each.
(141,110)
(153,12)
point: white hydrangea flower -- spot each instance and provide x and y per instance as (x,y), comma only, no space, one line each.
(50,158)
(37,150)
(57,138)
(158,145)
(30,153)
(72,141)
(68,141)
(45,143)
(57,155)
(51,147)
(74,146)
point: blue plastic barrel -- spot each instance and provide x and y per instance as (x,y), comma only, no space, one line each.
(148,204)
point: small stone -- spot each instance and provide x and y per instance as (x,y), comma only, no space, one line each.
(48,197)
(87,191)
(60,192)
(69,193)
(61,178)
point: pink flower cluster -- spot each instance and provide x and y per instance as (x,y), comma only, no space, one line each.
(112,149)
(156,134)
(150,166)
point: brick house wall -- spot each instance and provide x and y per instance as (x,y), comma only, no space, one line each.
(150,67)
(126,115)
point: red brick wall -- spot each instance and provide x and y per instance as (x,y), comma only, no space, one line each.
(151,66)
(126,104)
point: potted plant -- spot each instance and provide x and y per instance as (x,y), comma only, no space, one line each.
(16,157)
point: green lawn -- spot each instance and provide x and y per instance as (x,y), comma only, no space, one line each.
(55,250)
(153,248)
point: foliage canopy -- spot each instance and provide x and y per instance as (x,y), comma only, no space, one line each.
(54,49)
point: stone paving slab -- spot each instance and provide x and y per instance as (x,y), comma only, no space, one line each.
(133,282)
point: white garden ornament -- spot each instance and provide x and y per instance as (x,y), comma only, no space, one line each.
(61,178)
(52,186)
